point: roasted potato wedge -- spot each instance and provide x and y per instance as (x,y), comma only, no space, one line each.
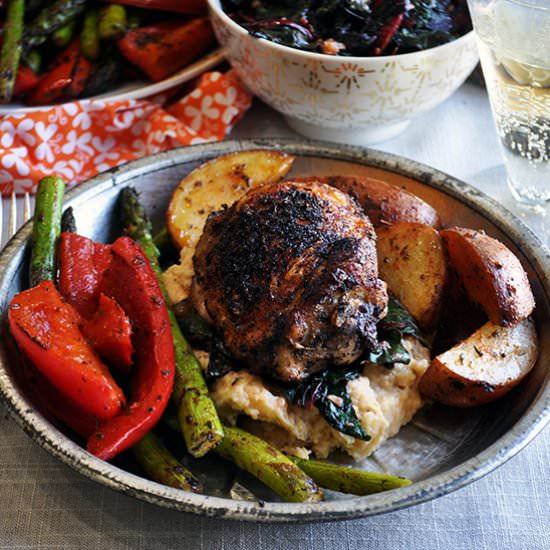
(491,274)
(383,202)
(412,261)
(483,367)
(212,186)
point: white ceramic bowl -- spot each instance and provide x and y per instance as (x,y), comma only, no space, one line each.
(357,100)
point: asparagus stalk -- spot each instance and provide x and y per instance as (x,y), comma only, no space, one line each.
(10,54)
(269,465)
(64,34)
(112,22)
(162,239)
(46,228)
(200,424)
(33,60)
(161,466)
(348,480)
(89,37)
(50,19)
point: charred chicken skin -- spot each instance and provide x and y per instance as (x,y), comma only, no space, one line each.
(288,276)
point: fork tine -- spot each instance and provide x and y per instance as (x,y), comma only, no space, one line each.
(27,207)
(13,215)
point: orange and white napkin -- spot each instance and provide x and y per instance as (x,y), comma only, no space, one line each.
(80,139)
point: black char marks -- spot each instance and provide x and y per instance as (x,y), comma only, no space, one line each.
(288,275)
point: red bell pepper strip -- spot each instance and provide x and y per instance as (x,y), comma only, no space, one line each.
(81,262)
(161,49)
(109,332)
(53,404)
(46,329)
(130,280)
(65,80)
(386,33)
(26,80)
(181,6)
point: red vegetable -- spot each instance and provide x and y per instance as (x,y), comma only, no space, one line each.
(46,330)
(162,49)
(81,263)
(386,33)
(109,331)
(65,80)
(130,280)
(54,404)
(26,80)
(180,6)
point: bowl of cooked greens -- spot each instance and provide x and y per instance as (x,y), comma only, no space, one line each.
(348,71)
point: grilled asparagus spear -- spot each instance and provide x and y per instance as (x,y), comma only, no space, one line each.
(50,19)
(348,480)
(161,466)
(269,465)
(11,48)
(45,229)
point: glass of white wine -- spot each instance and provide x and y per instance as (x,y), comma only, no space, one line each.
(514,45)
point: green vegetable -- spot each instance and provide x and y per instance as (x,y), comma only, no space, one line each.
(327,391)
(33,60)
(89,37)
(162,239)
(391,330)
(10,55)
(105,73)
(112,22)
(62,36)
(161,466)
(197,414)
(348,480)
(68,223)
(269,465)
(50,19)
(45,229)
(202,336)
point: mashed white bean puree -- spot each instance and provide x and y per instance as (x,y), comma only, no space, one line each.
(384,401)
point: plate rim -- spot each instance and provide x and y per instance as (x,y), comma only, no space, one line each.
(142,90)
(535,418)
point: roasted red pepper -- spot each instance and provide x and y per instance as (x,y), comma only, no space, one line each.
(54,404)
(130,280)
(81,263)
(161,49)
(26,80)
(65,80)
(180,6)
(46,329)
(109,331)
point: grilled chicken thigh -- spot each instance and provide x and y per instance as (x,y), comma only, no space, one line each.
(288,276)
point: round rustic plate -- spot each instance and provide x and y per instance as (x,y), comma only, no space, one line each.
(442,449)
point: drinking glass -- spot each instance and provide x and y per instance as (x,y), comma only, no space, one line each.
(514,45)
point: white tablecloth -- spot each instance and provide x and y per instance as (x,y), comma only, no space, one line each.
(45,505)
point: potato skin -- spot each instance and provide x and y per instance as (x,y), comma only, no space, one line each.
(383,202)
(482,368)
(411,260)
(491,274)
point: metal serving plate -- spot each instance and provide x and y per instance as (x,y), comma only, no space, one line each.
(441,450)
